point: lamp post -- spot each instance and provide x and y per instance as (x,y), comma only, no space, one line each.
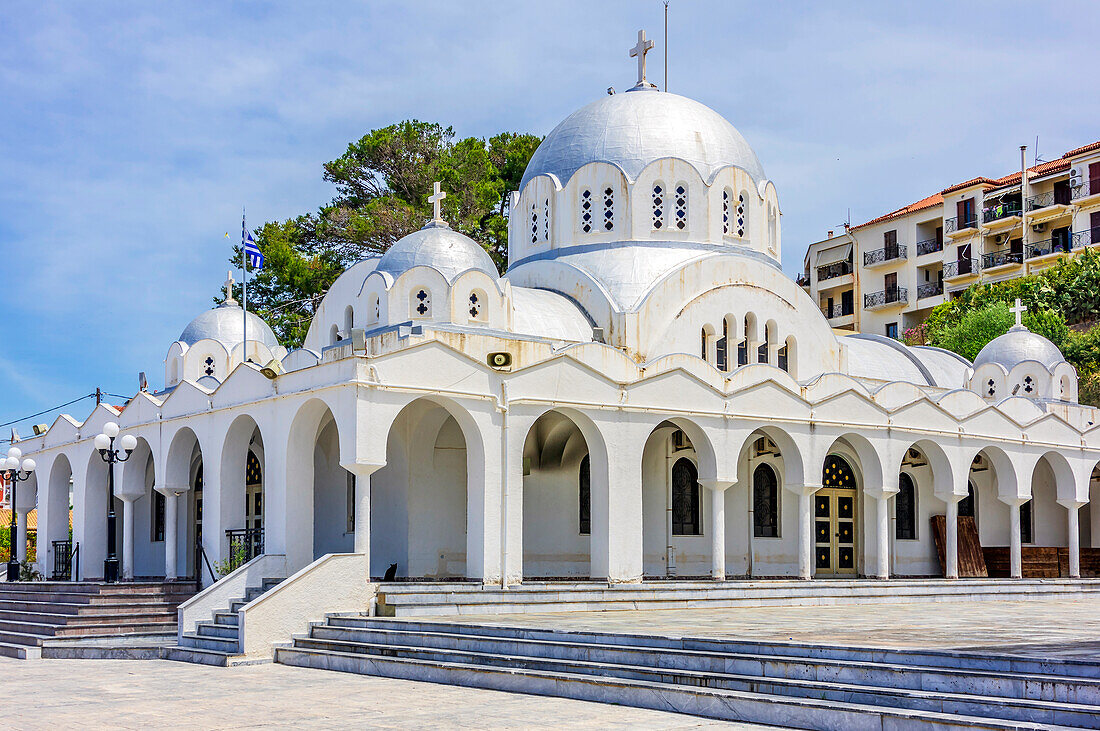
(14,476)
(105,444)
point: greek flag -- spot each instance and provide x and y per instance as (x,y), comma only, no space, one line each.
(251,250)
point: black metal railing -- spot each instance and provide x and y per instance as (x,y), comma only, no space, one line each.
(202,559)
(1042,200)
(831,271)
(802,281)
(245,544)
(960,268)
(1000,210)
(1002,258)
(953,224)
(930,246)
(1085,188)
(1050,246)
(888,296)
(930,289)
(886,253)
(839,309)
(1081,239)
(63,561)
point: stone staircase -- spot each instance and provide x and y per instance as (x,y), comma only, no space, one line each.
(439,599)
(786,684)
(33,613)
(217,641)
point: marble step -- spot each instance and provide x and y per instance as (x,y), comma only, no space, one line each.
(784,711)
(213,629)
(203,642)
(761,668)
(20,651)
(955,659)
(230,619)
(72,608)
(204,656)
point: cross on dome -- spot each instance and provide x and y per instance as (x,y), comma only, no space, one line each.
(229,282)
(640,50)
(1019,309)
(436,199)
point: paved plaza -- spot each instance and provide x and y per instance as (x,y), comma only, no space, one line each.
(143,694)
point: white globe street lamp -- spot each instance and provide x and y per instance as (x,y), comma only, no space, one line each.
(105,445)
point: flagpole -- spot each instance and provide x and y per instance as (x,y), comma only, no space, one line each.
(244,291)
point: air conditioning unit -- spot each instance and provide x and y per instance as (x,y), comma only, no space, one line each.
(1076,176)
(1001,238)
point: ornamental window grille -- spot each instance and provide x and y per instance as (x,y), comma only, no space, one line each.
(546,220)
(608,209)
(658,207)
(253,471)
(476,305)
(991,388)
(422,303)
(584,497)
(765,502)
(742,215)
(681,206)
(725,212)
(376,309)
(837,473)
(685,499)
(534,224)
(209,369)
(1029,384)
(905,506)
(586,211)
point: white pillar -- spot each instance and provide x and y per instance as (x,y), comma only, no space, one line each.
(171,558)
(951,552)
(882,504)
(127,538)
(806,532)
(362,472)
(21,534)
(1074,534)
(717,528)
(1015,550)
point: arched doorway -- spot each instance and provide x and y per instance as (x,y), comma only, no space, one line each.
(238,512)
(55,533)
(836,520)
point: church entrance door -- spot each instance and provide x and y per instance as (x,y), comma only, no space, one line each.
(834,531)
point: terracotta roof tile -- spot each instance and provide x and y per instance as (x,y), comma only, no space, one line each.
(1081,150)
(929,202)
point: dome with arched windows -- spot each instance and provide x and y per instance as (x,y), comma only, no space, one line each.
(1016,346)
(225,324)
(439,247)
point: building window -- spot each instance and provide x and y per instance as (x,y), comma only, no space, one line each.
(609,209)
(209,365)
(1029,384)
(1026,524)
(703,343)
(158,516)
(765,502)
(534,224)
(685,498)
(905,509)
(892,330)
(681,206)
(837,473)
(726,212)
(584,497)
(742,215)
(658,207)
(781,359)
(476,308)
(968,505)
(586,211)
(773,234)
(546,220)
(351,503)
(762,352)
(375,310)
(422,303)
(721,350)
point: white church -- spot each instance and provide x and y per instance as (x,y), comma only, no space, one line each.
(644,394)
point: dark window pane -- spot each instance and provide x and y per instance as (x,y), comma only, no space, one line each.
(765,502)
(1025,523)
(966,505)
(905,508)
(837,473)
(685,498)
(585,496)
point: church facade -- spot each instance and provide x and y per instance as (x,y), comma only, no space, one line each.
(643,394)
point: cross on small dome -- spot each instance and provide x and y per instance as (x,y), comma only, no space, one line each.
(1019,309)
(229,282)
(436,199)
(640,50)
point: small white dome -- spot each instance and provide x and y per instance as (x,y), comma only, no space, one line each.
(225,323)
(633,129)
(1016,346)
(439,247)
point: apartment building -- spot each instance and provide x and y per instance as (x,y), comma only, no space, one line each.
(884,276)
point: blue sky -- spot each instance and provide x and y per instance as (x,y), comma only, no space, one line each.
(132,133)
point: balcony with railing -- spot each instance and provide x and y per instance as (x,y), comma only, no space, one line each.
(832,271)
(885,255)
(1005,258)
(839,309)
(885,298)
(930,289)
(1048,247)
(929,246)
(1086,188)
(1001,213)
(960,268)
(955,226)
(1088,237)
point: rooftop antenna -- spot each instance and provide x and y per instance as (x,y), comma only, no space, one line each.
(666,45)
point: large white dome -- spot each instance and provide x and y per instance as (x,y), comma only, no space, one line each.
(632,129)
(437,246)
(225,323)
(1016,346)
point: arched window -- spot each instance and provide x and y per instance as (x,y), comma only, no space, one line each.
(608,209)
(681,206)
(703,343)
(254,494)
(1027,534)
(349,320)
(781,358)
(375,311)
(771,228)
(546,220)
(422,303)
(764,350)
(334,336)
(534,224)
(476,306)
(658,206)
(586,211)
(175,377)
(968,505)
(905,509)
(743,346)
(721,350)
(726,195)
(584,495)
(685,498)
(742,214)
(765,502)
(837,473)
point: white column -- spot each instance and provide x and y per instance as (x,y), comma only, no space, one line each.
(882,504)
(171,557)
(127,538)
(717,491)
(951,557)
(21,533)
(362,472)
(1015,550)
(1074,534)
(806,532)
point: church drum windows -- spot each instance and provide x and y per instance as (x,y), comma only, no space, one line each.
(475,306)
(685,499)
(658,206)
(422,303)
(742,214)
(726,195)
(534,224)
(586,211)
(905,509)
(681,219)
(721,350)
(765,502)
(546,219)
(608,209)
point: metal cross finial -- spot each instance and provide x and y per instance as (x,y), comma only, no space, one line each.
(229,282)
(1019,310)
(436,199)
(640,51)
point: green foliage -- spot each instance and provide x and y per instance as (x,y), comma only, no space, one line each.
(27,571)
(976,328)
(382,182)
(232,562)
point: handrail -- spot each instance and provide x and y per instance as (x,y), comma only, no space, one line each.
(929,246)
(960,268)
(76,561)
(200,552)
(886,253)
(953,224)
(229,588)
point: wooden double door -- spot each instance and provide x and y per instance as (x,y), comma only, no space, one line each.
(835,524)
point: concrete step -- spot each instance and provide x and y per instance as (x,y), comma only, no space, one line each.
(665,659)
(19,651)
(716,703)
(229,619)
(213,629)
(87,617)
(207,657)
(23,638)
(203,642)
